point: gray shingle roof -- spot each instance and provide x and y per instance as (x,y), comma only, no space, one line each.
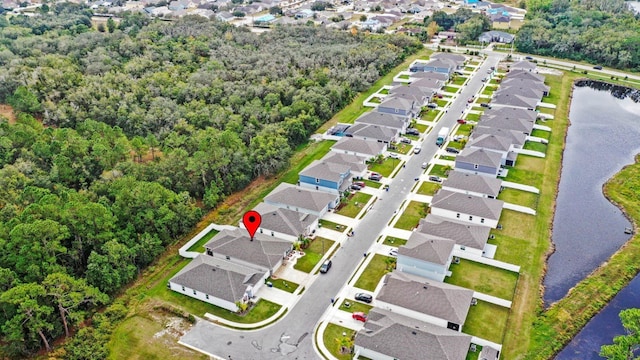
(517,137)
(401,337)
(429,75)
(467,204)
(427,248)
(284,220)
(356,163)
(504,98)
(524,74)
(442,63)
(522,82)
(510,113)
(520,90)
(419,94)
(297,197)
(444,301)
(475,183)
(265,251)
(480,157)
(382,119)
(518,124)
(524,64)
(368,131)
(371,148)
(326,170)
(395,102)
(490,142)
(429,83)
(220,278)
(473,236)
(456,58)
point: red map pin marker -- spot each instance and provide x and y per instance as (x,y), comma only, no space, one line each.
(251,220)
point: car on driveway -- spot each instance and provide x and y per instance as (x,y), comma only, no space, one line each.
(462,121)
(359,183)
(364,297)
(394,156)
(413,131)
(375,177)
(435,178)
(356,187)
(486,105)
(452,150)
(417,149)
(393,252)
(528,58)
(360,316)
(325,266)
(405,140)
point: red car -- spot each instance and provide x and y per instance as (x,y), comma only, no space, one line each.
(359,183)
(462,121)
(360,316)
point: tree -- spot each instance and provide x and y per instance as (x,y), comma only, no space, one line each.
(111,25)
(31,314)
(432,29)
(363,18)
(625,347)
(275,10)
(238,13)
(70,295)
(24,100)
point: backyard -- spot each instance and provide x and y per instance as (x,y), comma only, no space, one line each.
(519,197)
(313,254)
(199,245)
(486,320)
(376,269)
(411,215)
(483,278)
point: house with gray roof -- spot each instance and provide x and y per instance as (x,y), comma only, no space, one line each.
(431,84)
(236,246)
(387,335)
(507,122)
(514,100)
(396,105)
(526,83)
(510,113)
(219,282)
(496,36)
(471,184)
(400,123)
(478,161)
(434,302)
(299,199)
(414,76)
(524,74)
(420,95)
(458,59)
(444,66)
(373,133)
(500,144)
(467,208)
(520,90)
(359,147)
(426,256)
(284,223)
(517,138)
(356,163)
(523,65)
(325,176)
(468,237)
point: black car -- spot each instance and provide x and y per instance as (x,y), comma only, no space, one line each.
(485,105)
(412,131)
(364,297)
(452,150)
(528,58)
(405,140)
(325,266)
(598,67)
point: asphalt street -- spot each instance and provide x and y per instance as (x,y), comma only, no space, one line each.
(292,336)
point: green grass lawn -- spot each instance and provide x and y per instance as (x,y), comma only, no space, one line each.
(421,127)
(313,254)
(442,102)
(515,224)
(541,134)
(428,188)
(488,90)
(483,278)
(355,204)
(464,129)
(525,177)
(404,77)
(459,80)
(473,117)
(519,197)
(377,267)
(456,144)
(282,284)
(447,157)
(383,91)
(394,241)
(373,184)
(375,100)
(535,146)
(430,115)
(199,245)
(483,100)
(411,215)
(440,170)
(355,306)
(331,225)
(546,110)
(331,338)
(450,89)
(487,321)
(386,167)
(511,250)
(401,148)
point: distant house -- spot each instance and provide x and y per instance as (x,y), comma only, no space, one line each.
(517,138)
(426,256)
(399,106)
(423,299)
(526,83)
(325,176)
(524,74)
(503,98)
(471,184)
(457,59)
(523,90)
(444,66)
(418,94)
(523,65)
(299,199)
(387,335)
(498,144)
(399,123)
(496,36)
(478,161)
(285,224)
(509,119)
(224,16)
(373,133)
(414,76)
(219,282)
(430,85)
(468,237)
(472,209)
(356,163)
(358,147)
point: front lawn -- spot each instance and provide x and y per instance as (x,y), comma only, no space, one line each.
(354,204)
(456,144)
(447,157)
(450,89)
(411,215)
(421,127)
(473,117)
(331,225)
(199,245)
(519,197)
(442,102)
(373,184)
(429,115)
(354,306)
(283,284)
(386,167)
(440,170)
(333,340)
(394,241)
(400,148)
(459,80)
(428,188)
(464,129)
(313,254)
(487,321)
(483,278)
(376,269)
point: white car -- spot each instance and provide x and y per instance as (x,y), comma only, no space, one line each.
(394,156)
(393,252)
(417,149)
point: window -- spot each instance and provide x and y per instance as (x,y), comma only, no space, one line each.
(482,221)
(228,257)
(470,218)
(272,233)
(458,215)
(194,292)
(463,248)
(317,181)
(475,166)
(396,110)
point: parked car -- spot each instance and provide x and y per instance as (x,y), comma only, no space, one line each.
(432,106)
(489,71)
(417,149)
(493,68)
(356,187)
(364,297)
(413,131)
(375,177)
(360,316)
(458,138)
(439,96)
(452,150)
(325,266)
(486,105)
(435,178)
(528,58)
(405,140)
(470,100)
(393,252)
(462,121)
(394,156)
(425,165)
(484,79)
(598,67)
(359,183)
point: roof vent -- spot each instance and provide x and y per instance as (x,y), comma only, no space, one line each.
(213,269)
(425,287)
(414,333)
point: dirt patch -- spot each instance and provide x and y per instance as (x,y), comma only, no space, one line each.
(7,112)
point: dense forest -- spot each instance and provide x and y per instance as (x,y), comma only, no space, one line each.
(124,134)
(601,32)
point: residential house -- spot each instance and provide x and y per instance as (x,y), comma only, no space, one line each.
(457,59)
(387,335)
(426,256)
(524,74)
(325,176)
(503,98)
(526,83)
(444,66)
(284,223)
(498,144)
(428,84)
(523,65)
(517,138)
(414,76)
(422,299)
(478,161)
(299,199)
(356,163)
(236,246)
(399,106)
(224,16)
(472,209)
(418,94)
(496,36)
(359,147)
(471,184)
(398,123)
(373,133)
(518,124)
(468,237)
(521,90)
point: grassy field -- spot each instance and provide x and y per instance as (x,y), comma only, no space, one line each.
(355,204)
(331,338)
(483,278)
(519,197)
(199,245)
(411,215)
(487,321)
(440,170)
(428,188)
(386,167)
(370,277)
(394,241)
(313,254)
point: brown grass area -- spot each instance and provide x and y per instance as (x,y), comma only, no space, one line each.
(7,112)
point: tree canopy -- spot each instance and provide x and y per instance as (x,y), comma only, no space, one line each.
(625,347)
